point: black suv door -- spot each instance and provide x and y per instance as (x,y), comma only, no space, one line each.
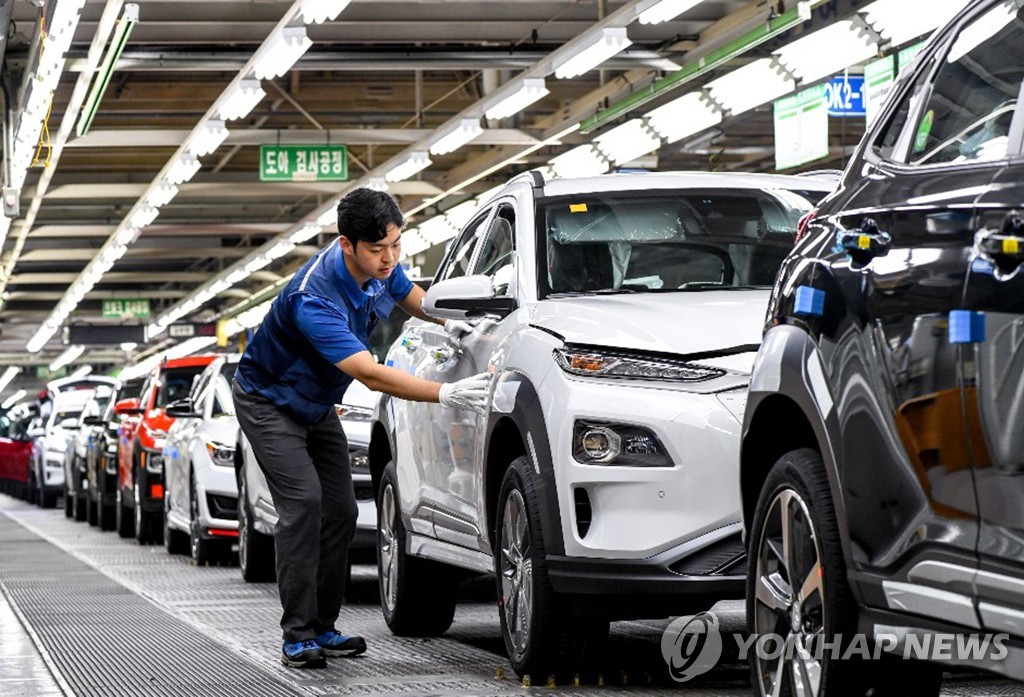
(903,244)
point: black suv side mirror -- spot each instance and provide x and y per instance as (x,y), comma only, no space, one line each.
(183,409)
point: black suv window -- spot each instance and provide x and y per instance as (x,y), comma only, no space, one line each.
(974,94)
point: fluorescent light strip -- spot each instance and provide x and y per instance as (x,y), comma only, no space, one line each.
(13,399)
(320,11)
(605,45)
(184,168)
(416,162)
(627,142)
(683,117)
(143,216)
(70,355)
(751,86)
(582,161)
(8,375)
(465,131)
(280,52)
(242,99)
(532,90)
(666,10)
(827,51)
(163,194)
(210,135)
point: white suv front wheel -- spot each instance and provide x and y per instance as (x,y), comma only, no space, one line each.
(541,636)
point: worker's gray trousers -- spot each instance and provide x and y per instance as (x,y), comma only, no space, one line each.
(307,469)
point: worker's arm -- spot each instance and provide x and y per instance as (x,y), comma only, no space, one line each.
(381,378)
(412,303)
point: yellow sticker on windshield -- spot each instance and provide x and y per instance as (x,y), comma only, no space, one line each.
(1011,245)
(577,208)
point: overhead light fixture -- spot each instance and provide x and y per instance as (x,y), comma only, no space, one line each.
(627,142)
(375,184)
(207,137)
(320,11)
(436,230)
(583,161)
(531,90)
(81,372)
(242,99)
(8,375)
(305,233)
(129,18)
(982,29)
(329,218)
(463,132)
(665,10)
(750,86)
(126,235)
(279,53)
(413,243)
(13,399)
(279,250)
(461,214)
(416,162)
(183,169)
(602,46)
(683,117)
(70,355)
(144,216)
(257,263)
(163,194)
(827,51)
(899,21)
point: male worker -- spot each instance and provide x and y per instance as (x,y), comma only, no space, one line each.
(310,347)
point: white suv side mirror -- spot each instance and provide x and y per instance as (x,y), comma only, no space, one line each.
(465,297)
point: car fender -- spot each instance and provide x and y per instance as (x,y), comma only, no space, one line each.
(790,363)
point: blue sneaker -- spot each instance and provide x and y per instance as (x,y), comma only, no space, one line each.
(303,654)
(334,644)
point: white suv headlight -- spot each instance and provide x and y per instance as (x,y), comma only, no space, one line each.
(608,364)
(220,454)
(604,443)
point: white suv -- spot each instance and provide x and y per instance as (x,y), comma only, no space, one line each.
(619,318)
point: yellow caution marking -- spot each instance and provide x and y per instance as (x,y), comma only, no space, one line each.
(1011,245)
(864,242)
(577,208)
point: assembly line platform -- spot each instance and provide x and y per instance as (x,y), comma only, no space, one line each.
(86,613)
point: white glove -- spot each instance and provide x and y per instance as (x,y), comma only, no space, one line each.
(457,330)
(468,393)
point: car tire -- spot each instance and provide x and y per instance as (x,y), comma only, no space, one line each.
(549,640)
(69,503)
(92,510)
(124,520)
(797,491)
(203,550)
(256,554)
(175,541)
(148,527)
(417,596)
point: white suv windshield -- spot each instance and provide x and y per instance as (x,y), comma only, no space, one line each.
(667,241)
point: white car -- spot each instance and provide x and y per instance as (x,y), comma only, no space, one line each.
(200,492)
(618,320)
(59,422)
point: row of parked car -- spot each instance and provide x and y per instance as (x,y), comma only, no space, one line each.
(653,444)
(167,465)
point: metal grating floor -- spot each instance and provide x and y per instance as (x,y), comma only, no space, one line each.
(120,619)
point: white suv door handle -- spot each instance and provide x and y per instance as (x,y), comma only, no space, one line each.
(411,342)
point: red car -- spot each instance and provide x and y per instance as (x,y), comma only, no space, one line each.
(141,437)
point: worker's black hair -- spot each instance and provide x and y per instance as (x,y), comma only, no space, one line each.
(364,215)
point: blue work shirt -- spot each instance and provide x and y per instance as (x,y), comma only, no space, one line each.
(320,318)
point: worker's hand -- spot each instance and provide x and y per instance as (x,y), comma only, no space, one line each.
(468,393)
(457,330)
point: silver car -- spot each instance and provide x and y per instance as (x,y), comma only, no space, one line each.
(200,493)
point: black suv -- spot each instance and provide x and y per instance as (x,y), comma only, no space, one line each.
(882,466)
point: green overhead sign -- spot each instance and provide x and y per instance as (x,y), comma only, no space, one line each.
(295,163)
(801,128)
(126,308)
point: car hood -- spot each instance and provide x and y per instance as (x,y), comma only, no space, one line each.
(681,323)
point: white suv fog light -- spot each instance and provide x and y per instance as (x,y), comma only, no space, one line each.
(600,444)
(617,444)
